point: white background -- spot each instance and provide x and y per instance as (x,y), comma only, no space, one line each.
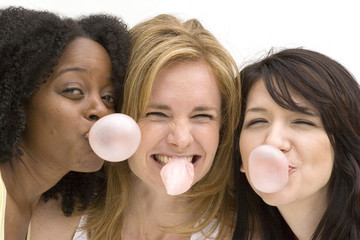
(248,29)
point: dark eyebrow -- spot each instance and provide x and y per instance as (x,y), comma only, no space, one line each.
(307,111)
(70,69)
(255,109)
(310,112)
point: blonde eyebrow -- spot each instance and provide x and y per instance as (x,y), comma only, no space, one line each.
(196,109)
(159,106)
(204,108)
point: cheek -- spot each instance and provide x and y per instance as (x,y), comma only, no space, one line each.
(148,138)
(137,163)
(210,134)
(215,142)
(245,149)
(210,144)
(325,157)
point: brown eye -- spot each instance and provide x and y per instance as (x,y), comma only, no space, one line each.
(109,98)
(73,93)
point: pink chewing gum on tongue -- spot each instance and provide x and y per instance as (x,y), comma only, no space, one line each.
(177,176)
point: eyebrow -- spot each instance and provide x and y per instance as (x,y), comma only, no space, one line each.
(255,109)
(70,69)
(204,108)
(159,106)
(308,111)
(196,109)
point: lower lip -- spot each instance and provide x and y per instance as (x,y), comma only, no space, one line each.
(291,169)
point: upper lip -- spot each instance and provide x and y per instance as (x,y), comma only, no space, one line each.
(292,165)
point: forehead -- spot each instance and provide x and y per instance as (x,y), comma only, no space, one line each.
(286,97)
(186,77)
(84,51)
(186,85)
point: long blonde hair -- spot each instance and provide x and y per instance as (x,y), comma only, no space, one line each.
(156,43)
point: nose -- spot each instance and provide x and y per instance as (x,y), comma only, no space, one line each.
(96,109)
(278,137)
(180,135)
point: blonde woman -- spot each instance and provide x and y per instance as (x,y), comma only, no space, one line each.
(182,91)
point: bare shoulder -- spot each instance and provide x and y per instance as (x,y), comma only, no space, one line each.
(49,222)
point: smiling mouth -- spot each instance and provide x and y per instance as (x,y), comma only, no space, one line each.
(163,159)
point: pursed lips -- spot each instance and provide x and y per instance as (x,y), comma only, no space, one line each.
(87,136)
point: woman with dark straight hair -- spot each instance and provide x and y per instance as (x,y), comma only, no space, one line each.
(308,106)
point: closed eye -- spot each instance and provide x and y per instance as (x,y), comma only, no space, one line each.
(255,122)
(156,115)
(209,116)
(305,122)
(202,118)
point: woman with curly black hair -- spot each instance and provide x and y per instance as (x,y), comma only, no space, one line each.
(57,77)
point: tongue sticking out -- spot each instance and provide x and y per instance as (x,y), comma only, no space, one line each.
(177,176)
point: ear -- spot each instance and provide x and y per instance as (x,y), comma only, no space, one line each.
(242,168)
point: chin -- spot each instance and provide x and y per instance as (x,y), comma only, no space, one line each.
(273,199)
(91,165)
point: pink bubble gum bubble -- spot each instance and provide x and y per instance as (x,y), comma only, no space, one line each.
(177,176)
(268,169)
(115,137)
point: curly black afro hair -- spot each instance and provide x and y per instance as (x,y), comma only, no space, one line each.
(31,43)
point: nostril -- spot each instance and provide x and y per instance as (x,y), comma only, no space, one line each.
(94,117)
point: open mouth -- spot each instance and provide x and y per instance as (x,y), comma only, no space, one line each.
(163,159)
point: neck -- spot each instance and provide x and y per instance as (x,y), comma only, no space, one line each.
(303,217)
(26,179)
(150,210)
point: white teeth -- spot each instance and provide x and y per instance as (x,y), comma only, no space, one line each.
(165,159)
